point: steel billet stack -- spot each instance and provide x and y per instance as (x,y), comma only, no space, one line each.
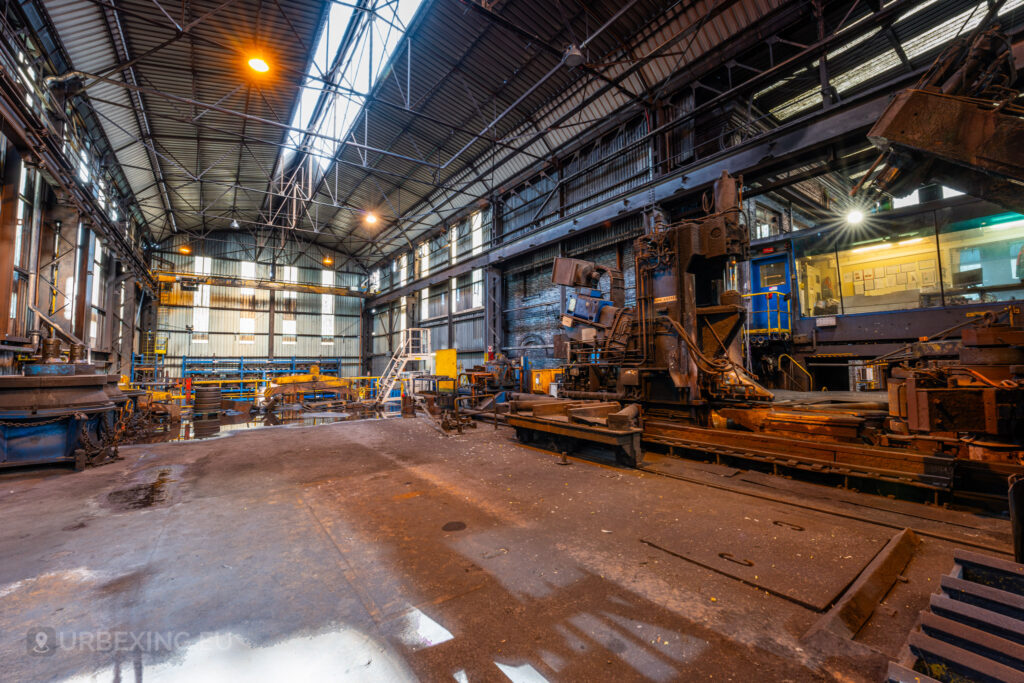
(207,403)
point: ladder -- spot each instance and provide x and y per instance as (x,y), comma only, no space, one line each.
(414,346)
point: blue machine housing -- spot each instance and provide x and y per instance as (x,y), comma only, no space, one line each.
(36,442)
(770,296)
(48,417)
(586,307)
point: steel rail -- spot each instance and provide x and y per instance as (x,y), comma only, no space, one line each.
(949,538)
(1003,550)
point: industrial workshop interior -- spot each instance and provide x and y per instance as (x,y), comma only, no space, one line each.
(512,340)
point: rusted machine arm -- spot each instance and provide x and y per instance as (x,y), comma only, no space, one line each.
(959,125)
(576,273)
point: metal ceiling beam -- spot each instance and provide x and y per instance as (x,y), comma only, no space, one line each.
(251,138)
(587,100)
(800,137)
(473,164)
(149,141)
(533,38)
(887,14)
(119,43)
(429,95)
(171,277)
(171,97)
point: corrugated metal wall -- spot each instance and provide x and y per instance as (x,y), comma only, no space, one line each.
(601,171)
(533,304)
(227,252)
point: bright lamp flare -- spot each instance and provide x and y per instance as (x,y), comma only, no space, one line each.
(370,218)
(855,217)
(257,64)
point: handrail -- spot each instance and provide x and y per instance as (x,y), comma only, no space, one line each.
(794,361)
(769,310)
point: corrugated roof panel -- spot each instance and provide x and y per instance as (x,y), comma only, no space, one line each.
(467,69)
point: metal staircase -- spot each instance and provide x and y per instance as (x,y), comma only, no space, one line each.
(414,346)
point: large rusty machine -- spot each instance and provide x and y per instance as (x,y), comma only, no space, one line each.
(64,409)
(668,372)
(679,348)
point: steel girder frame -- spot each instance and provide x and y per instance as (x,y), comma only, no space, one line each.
(772,149)
(34,134)
(777,20)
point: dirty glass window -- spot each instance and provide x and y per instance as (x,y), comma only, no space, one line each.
(980,257)
(773,274)
(768,222)
(817,276)
(890,264)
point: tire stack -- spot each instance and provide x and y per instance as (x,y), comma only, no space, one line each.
(207,403)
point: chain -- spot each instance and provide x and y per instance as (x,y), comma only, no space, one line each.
(24,423)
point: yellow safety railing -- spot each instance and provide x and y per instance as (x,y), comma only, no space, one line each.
(794,362)
(775,304)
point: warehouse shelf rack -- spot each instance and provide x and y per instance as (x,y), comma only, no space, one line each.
(246,372)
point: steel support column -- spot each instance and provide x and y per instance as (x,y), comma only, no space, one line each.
(494,323)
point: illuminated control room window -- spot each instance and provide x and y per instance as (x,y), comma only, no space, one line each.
(817,278)
(981,259)
(893,266)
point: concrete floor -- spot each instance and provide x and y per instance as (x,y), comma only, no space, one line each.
(383,550)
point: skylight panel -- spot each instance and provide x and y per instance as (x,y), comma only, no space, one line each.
(947,30)
(913,47)
(331,101)
(338,19)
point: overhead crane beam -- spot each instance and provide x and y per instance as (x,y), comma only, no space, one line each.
(170,277)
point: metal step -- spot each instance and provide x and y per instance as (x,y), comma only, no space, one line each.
(973,632)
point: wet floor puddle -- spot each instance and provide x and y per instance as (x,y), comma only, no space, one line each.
(142,496)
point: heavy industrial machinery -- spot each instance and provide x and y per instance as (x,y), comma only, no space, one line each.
(955,424)
(497,375)
(668,372)
(679,348)
(62,411)
(960,125)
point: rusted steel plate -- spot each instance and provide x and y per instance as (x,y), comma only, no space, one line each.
(904,467)
(806,557)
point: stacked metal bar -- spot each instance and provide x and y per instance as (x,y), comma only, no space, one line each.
(973,630)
